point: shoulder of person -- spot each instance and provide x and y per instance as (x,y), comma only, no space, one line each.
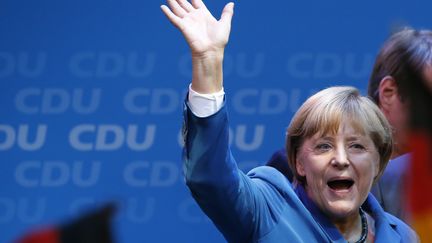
(272,176)
(406,233)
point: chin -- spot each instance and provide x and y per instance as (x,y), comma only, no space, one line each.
(342,209)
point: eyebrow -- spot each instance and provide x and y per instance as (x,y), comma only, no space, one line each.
(350,138)
(326,138)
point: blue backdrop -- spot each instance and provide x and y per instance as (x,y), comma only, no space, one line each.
(91,96)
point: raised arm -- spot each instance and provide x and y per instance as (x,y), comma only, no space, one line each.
(207,38)
(234,202)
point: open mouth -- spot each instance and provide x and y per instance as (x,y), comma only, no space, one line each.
(340,184)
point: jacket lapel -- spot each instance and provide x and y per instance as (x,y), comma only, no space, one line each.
(385,227)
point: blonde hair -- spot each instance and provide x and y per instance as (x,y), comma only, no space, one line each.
(322,114)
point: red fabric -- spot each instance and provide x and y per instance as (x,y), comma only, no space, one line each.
(49,235)
(420,193)
(420,184)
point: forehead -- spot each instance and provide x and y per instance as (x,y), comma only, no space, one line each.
(348,128)
(336,123)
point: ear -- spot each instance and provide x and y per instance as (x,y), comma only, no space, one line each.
(377,167)
(388,92)
(299,167)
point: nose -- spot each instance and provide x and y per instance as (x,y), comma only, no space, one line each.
(340,158)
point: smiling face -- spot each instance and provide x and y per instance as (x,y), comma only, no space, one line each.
(339,169)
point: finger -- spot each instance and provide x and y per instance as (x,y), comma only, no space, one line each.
(176,9)
(227,13)
(174,19)
(198,4)
(185,5)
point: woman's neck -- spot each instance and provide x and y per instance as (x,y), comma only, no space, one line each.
(350,228)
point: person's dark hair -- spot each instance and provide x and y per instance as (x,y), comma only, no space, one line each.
(403,56)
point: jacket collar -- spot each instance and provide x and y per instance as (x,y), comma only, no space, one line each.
(320,218)
(384,225)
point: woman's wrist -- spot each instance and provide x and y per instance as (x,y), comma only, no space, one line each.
(207,72)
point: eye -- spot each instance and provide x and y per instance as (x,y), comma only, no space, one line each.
(322,147)
(357,147)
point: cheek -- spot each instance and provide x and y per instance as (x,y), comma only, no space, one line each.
(310,166)
(375,160)
(401,116)
(368,167)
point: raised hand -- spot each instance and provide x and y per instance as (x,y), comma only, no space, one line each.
(201,30)
(207,38)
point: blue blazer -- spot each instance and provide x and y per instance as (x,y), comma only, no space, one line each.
(261,206)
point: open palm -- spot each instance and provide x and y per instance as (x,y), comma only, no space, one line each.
(202,31)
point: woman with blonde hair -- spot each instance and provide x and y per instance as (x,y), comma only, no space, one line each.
(339,143)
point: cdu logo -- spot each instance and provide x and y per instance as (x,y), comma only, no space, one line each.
(57,173)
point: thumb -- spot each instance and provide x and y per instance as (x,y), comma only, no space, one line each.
(227,13)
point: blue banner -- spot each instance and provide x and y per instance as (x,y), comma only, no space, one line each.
(92,94)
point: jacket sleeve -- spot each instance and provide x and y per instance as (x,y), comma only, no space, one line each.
(232,200)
